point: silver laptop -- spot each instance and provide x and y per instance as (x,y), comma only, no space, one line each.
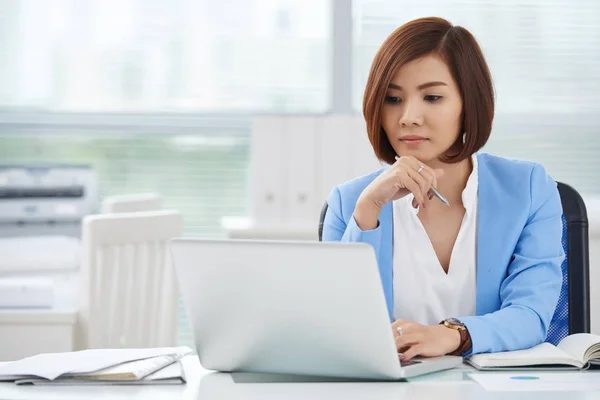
(303,308)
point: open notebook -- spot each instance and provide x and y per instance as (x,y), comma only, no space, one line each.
(99,366)
(578,351)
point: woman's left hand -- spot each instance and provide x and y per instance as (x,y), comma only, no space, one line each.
(424,340)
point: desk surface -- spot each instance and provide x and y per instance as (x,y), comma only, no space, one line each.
(205,385)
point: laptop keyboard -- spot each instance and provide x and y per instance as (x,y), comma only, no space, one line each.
(408,363)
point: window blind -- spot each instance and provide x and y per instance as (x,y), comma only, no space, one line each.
(544,57)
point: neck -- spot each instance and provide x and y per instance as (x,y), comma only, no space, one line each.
(452,184)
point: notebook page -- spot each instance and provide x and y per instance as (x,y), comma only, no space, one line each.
(544,353)
(578,344)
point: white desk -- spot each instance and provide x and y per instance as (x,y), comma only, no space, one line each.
(205,385)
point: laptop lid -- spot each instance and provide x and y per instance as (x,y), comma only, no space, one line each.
(286,307)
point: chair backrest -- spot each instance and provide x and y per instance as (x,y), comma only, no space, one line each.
(322,220)
(132,203)
(572,314)
(129,291)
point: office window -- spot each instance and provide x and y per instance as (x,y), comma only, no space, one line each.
(82,64)
(544,57)
(165,55)
(203,175)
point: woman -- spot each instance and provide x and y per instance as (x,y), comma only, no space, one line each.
(481,274)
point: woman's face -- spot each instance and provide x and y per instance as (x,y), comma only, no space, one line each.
(422,111)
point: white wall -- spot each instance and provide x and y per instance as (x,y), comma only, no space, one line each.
(593,206)
(595,283)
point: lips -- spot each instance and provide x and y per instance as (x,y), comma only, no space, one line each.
(413,139)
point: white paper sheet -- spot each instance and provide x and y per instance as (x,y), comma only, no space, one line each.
(548,381)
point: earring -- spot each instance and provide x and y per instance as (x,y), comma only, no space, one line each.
(464,137)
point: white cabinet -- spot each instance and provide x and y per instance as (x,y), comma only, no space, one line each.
(300,171)
(334,153)
(24,333)
(267,156)
(295,162)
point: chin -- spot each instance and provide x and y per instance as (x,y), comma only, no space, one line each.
(420,154)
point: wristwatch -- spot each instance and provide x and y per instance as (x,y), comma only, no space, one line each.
(465,338)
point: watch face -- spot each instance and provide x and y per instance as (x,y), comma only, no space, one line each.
(455,322)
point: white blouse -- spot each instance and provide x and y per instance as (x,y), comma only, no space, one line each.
(423,292)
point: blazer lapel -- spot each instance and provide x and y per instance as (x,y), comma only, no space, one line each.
(385,256)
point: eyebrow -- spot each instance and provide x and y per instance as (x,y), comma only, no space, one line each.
(420,87)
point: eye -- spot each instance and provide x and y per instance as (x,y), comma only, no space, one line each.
(393,99)
(432,98)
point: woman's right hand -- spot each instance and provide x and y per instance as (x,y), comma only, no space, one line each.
(394,183)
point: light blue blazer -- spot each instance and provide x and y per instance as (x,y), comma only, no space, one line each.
(519,250)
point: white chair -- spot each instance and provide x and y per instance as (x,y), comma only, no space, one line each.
(132,203)
(129,291)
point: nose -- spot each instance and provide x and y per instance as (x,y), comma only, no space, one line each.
(411,115)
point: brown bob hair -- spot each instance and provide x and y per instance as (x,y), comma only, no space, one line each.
(460,51)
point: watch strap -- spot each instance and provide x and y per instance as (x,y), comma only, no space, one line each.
(465,337)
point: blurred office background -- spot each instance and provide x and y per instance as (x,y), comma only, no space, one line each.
(160,95)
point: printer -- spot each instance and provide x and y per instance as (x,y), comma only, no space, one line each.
(42,200)
(41,211)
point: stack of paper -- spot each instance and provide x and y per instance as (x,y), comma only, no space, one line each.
(99,366)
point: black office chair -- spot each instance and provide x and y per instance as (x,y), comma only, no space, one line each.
(572,313)
(321,220)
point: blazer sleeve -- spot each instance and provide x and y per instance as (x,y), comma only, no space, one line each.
(335,228)
(529,294)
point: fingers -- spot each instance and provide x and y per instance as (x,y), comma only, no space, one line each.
(421,180)
(426,178)
(411,353)
(395,325)
(407,327)
(428,173)
(431,174)
(410,343)
(408,340)
(408,178)
(414,187)
(398,323)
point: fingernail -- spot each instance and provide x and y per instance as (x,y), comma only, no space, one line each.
(402,358)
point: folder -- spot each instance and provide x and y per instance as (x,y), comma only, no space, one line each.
(99,366)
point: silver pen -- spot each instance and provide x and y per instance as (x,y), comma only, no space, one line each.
(436,192)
